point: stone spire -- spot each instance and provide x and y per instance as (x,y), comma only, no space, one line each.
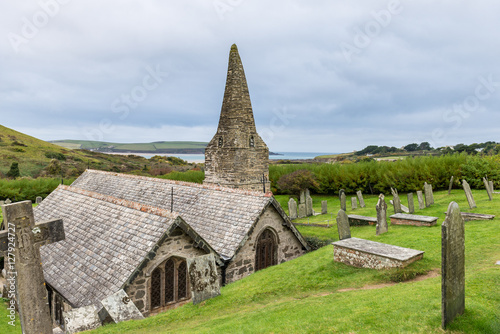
(237,156)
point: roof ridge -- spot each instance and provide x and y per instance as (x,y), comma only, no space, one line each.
(122,202)
(187,184)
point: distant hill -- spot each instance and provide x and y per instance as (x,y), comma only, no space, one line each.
(190,147)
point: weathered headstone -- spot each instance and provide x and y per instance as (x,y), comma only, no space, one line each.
(451,185)
(292,209)
(204,278)
(411,205)
(490,183)
(309,206)
(324,207)
(343,204)
(452,265)
(302,197)
(360,198)
(432,193)
(302,210)
(381,215)
(488,189)
(420,198)
(120,307)
(343,225)
(81,319)
(396,202)
(468,194)
(428,194)
(308,193)
(354,203)
(8,201)
(31,294)
(38,200)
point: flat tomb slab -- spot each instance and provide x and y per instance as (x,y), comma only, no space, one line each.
(356,220)
(415,220)
(374,255)
(467,216)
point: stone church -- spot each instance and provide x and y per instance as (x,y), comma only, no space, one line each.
(139,234)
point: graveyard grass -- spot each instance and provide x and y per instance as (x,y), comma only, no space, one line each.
(304,295)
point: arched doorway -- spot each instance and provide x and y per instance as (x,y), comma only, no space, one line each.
(265,253)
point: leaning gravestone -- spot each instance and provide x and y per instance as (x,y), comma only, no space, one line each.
(343,204)
(38,200)
(31,293)
(411,206)
(324,207)
(451,185)
(490,183)
(452,265)
(432,193)
(420,199)
(204,279)
(120,307)
(309,205)
(81,319)
(343,225)
(292,209)
(488,189)
(354,203)
(381,215)
(302,210)
(468,194)
(428,194)
(360,198)
(396,202)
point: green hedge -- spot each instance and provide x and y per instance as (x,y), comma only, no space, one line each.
(28,188)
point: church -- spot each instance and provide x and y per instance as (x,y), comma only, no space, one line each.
(138,234)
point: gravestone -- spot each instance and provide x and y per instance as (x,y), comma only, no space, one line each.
(120,307)
(38,200)
(452,265)
(202,272)
(488,189)
(302,210)
(451,185)
(343,204)
(396,202)
(324,207)
(428,195)
(411,206)
(431,193)
(8,201)
(354,203)
(81,319)
(420,199)
(309,205)
(490,183)
(361,200)
(468,194)
(302,197)
(381,215)
(343,225)
(31,294)
(308,193)
(292,209)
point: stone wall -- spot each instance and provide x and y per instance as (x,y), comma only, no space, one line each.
(243,263)
(176,244)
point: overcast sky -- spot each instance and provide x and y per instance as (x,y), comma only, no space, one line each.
(324,76)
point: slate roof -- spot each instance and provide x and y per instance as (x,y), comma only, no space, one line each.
(222,216)
(106,240)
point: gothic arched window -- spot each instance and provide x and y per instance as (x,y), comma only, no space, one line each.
(265,253)
(169,283)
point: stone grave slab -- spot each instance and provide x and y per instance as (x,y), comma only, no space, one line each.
(374,255)
(468,216)
(120,307)
(415,220)
(358,220)
(81,319)
(202,272)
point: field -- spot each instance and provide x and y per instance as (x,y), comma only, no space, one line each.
(314,294)
(133,147)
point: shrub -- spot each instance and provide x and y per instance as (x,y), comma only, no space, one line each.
(55,155)
(14,170)
(296,181)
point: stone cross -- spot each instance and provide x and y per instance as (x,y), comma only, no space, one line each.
(451,185)
(488,189)
(396,201)
(360,198)
(343,225)
(292,209)
(343,204)
(468,194)
(309,205)
(354,203)
(381,215)
(452,265)
(324,207)
(411,205)
(420,199)
(20,243)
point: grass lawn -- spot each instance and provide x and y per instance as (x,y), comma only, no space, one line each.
(314,294)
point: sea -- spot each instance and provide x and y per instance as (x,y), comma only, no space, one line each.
(200,158)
